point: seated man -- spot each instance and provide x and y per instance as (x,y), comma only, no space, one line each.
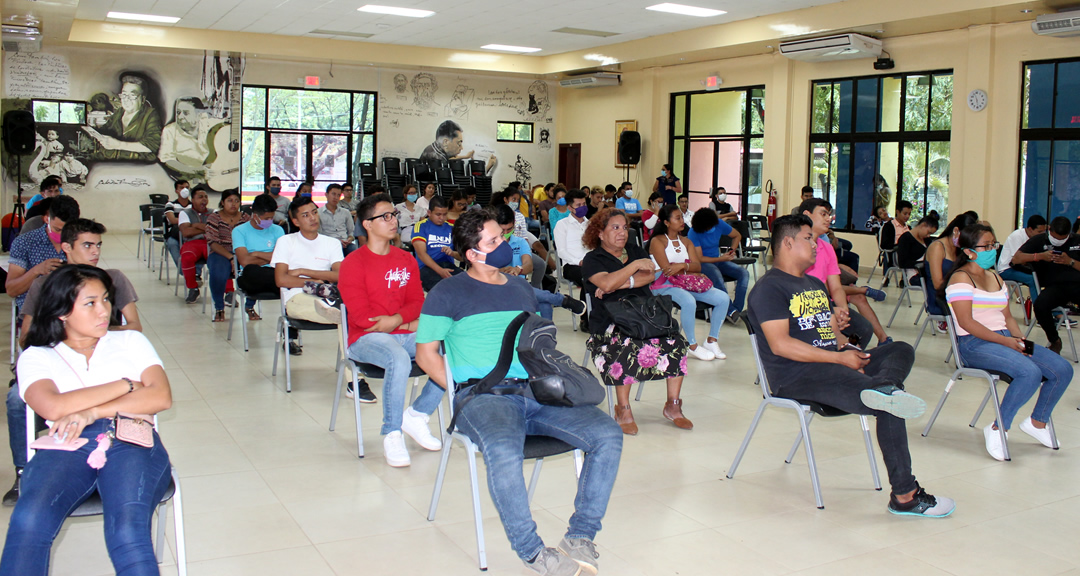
(807,193)
(1053,255)
(51,187)
(567,235)
(173,208)
(806,358)
(468,314)
(281,215)
(81,243)
(336,221)
(826,269)
(380,287)
(522,265)
(305,256)
(253,244)
(194,251)
(892,231)
(431,241)
(38,252)
(1013,264)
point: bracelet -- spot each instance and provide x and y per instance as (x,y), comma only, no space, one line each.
(131,385)
(632,280)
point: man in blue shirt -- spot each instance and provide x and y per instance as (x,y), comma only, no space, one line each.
(38,252)
(706,232)
(432,241)
(50,188)
(253,245)
(522,264)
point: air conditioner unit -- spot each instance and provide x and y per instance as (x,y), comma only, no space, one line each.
(597,80)
(838,47)
(20,38)
(1060,24)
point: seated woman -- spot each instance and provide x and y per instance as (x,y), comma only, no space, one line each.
(707,229)
(912,245)
(651,216)
(940,255)
(429,193)
(459,202)
(77,375)
(219,228)
(614,270)
(559,211)
(678,260)
(988,338)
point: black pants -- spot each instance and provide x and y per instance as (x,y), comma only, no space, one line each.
(838,386)
(1049,298)
(859,326)
(429,278)
(257,279)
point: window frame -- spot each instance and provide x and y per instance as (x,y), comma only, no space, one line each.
(515,124)
(878,136)
(85,106)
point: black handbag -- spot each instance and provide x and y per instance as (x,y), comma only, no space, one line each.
(644,317)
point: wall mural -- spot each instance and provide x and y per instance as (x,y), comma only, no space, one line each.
(132,135)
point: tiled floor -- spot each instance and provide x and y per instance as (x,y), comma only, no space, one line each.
(269,490)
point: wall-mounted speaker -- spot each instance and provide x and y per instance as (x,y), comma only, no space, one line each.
(19,132)
(629,148)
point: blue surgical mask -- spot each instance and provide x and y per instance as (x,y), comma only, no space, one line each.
(275,190)
(986,259)
(264,224)
(500,257)
(61,190)
(516,207)
(561,201)
(411,197)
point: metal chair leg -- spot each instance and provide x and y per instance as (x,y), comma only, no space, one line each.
(798,440)
(937,410)
(870,451)
(178,527)
(1001,427)
(440,476)
(979,411)
(804,423)
(921,331)
(746,440)
(478,521)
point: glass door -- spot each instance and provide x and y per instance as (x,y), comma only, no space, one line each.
(713,163)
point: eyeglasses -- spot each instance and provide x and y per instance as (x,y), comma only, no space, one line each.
(386,216)
(988,247)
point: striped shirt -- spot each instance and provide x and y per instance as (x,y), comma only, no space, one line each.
(986,307)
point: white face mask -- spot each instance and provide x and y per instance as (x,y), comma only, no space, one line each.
(1056,243)
(721,197)
(185,193)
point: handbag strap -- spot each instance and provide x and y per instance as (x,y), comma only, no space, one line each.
(486,384)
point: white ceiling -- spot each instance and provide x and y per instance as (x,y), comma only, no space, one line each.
(457,24)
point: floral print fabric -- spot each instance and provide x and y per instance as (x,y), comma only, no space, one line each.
(623,361)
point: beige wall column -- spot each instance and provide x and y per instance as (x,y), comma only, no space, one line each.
(973,133)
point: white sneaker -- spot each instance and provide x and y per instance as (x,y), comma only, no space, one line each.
(714,347)
(701,353)
(415,424)
(394,449)
(1040,434)
(993,442)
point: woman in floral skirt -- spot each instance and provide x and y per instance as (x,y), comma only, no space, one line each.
(612,271)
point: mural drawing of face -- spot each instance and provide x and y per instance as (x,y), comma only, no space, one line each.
(401,83)
(424,86)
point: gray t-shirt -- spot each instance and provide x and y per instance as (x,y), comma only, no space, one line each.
(281,215)
(123,294)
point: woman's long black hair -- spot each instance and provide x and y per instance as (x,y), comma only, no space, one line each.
(969,239)
(57,298)
(661,220)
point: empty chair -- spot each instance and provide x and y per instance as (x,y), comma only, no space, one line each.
(159,199)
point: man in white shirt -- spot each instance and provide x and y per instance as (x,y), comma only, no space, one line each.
(305,256)
(1012,265)
(568,233)
(335,221)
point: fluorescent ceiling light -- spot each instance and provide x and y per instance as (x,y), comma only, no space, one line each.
(505,48)
(586,32)
(143,17)
(685,10)
(395,11)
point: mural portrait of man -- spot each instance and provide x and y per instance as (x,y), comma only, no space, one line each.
(401,83)
(449,141)
(424,87)
(134,131)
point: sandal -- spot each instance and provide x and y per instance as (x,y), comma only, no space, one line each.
(625,419)
(252,315)
(219,316)
(673,412)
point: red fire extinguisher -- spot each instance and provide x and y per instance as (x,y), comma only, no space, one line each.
(770,212)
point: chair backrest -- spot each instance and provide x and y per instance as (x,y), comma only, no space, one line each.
(477,168)
(144,211)
(367,171)
(157,218)
(247,209)
(159,199)
(763,380)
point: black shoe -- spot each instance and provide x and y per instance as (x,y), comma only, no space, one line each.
(12,496)
(574,305)
(192,296)
(295,349)
(734,317)
(229,298)
(363,392)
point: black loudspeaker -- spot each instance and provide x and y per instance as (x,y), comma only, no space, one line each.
(19,132)
(629,148)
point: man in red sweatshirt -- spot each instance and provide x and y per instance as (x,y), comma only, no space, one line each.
(380,288)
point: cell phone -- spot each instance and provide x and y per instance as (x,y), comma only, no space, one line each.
(1029,347)
(850,346)
(49,443)
(854,340)
(1056,252)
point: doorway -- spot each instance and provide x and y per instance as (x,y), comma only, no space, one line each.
(570,165)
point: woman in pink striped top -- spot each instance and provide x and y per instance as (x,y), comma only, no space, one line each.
(988,338)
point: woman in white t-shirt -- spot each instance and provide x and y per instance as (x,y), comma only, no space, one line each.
(78,375)
(429,193)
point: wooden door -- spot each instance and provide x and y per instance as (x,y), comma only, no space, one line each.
(570,165)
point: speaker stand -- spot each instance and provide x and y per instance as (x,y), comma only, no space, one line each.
(18,211)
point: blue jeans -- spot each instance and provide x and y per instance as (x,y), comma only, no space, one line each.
(547,302)
(687,302)
(394,353)
(220,271)
(1027,373)
(718,272)
(1024,278)
(16,420)
(498,425)
(54,483)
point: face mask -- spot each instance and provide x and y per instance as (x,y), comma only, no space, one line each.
(722,197)
(54,236)
(306,195)
(411,197)
(663,172)
(185,193)
(561,201)
(1055,242)
(581,211)
(500,257)
(516,207)
(507,235)
(60,191)
(275,190)
(264,224)
(955,241)
(986,260)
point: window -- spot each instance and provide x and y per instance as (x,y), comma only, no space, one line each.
(718,140)
(1049,175)
(298,135)
(873,135)
(514,131)
(59,111)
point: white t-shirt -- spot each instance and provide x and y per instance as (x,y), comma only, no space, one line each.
(123,354)
(1012,244)
(299,252)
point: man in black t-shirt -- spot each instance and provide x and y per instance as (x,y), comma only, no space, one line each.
(1057,266)
(808,359)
